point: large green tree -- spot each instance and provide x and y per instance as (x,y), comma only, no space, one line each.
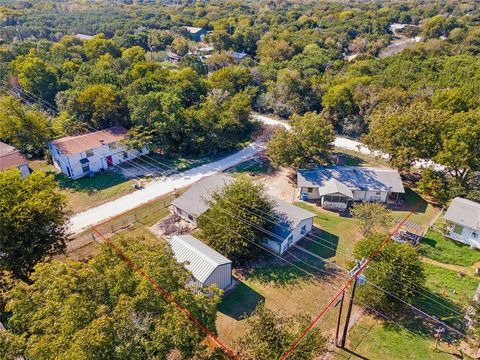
(26,129)
(397,269)
(34,221)
(270,333)
(372,216)
(308,143)
(239,214)
(104,309)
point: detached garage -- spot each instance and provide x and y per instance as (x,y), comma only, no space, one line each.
(207,266)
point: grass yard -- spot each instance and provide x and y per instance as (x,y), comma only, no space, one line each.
(423,215)
(255,167)
(354,158)
(375,339)
(437,247)
(283,288)
(338,235)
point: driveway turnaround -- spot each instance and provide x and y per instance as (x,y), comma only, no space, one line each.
(157,188)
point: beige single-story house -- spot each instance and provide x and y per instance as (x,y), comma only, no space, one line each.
(293,222)
(463,217)
(13,158)
(335,187)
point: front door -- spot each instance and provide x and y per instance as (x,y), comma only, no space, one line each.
(109,161)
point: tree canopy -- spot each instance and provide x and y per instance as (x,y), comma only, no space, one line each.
(104,309)
(34,221)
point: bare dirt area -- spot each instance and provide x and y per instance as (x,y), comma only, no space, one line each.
(172,225)
(279,185)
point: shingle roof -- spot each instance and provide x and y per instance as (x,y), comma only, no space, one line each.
(193,29)
(10,157)
(75,144)
(353,177)
(464,212)
(195,202)
(202,259)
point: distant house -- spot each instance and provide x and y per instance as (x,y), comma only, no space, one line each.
(84,37)
(172,57)
(463,217)
(12,158)
(207,266)
(337,186)
(81,155)
(238,56)
(293,222)
(196,33)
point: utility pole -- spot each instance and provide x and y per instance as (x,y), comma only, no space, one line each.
(360,280)
(339,317)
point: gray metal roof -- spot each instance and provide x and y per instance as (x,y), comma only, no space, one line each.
(333,186)
(195,200)
(464,212)
(353,177)
(202,259)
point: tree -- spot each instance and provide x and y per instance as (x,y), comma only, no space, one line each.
(27,130)
(271,49)
(270,333)
(232,79)
(159,39)
(373,217)
(36,76)
(194,62)
(400,262)
(99,106)
(34,221)
(133,55)
(235,218)
(103,309)
(100,45)
(306,144)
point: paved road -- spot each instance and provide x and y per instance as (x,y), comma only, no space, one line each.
(158,188)
(348,144)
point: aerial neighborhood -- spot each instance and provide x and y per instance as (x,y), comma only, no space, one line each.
(239,180)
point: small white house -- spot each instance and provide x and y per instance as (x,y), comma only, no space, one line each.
(463,217)
(335,187)
(292,222)
(208,267)
(12,158)
(81,155)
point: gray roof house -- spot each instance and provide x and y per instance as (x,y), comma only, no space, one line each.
(463,217)
(196,33)
(336,186)
(293,222)
(207,266)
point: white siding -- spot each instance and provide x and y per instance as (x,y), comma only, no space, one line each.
(313,195)
(297,234)
(467,236)
(96,162)
(379,196)
(222,277)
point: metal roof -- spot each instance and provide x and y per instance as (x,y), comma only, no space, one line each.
(464,212)
(353,177)
(202,259)
(195,202)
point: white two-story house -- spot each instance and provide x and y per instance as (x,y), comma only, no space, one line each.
(89,153)
(463,217)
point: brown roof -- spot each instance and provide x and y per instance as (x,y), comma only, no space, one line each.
(10,157)
(75,144)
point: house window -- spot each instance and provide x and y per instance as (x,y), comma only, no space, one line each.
(89,153)
(378,193)
(125,155)
(112,146)
(458,229)
(310,190)
(303,230)
(85,168)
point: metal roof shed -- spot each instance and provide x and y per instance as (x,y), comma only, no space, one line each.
(207,266)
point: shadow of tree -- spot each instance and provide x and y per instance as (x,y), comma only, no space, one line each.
(412,199)
(100,181)
(321,242)
(240,302)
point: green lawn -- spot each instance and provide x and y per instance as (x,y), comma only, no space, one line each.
(424,214)
(437,247)
(375,339)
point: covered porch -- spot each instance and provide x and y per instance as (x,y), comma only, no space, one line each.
(335,195)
